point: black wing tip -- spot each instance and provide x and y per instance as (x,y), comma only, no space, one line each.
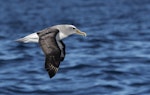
(52,70)
(51,76)
(51,73)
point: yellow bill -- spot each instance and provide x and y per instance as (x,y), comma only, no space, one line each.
(81,33)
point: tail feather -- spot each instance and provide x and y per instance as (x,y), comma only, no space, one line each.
(29,38)
(23,40)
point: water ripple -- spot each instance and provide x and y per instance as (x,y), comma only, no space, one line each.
(112,60)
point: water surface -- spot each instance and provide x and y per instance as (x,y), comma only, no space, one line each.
(112,60)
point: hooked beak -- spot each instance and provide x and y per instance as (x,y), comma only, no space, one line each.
(81,33)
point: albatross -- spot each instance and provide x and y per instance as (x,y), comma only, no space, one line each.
(50,40)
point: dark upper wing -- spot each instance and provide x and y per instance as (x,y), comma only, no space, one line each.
(62,48)
(48,43)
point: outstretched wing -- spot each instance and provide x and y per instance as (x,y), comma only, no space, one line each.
(51,49)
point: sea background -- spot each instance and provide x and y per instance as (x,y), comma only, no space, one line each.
(114,58)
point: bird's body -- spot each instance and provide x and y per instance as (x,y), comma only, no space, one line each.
(50,40)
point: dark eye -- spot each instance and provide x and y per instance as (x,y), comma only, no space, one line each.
(73,28)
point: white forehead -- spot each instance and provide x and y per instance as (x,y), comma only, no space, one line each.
(64,26)
(70,26)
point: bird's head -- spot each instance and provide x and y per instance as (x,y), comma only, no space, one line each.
(67,30)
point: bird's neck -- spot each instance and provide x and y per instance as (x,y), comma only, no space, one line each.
(62,36)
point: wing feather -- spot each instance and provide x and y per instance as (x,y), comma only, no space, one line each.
(62,48)
(48,43)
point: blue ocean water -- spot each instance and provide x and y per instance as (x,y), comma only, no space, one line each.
(114,59)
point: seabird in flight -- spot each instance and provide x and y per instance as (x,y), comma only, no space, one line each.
(50,40)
